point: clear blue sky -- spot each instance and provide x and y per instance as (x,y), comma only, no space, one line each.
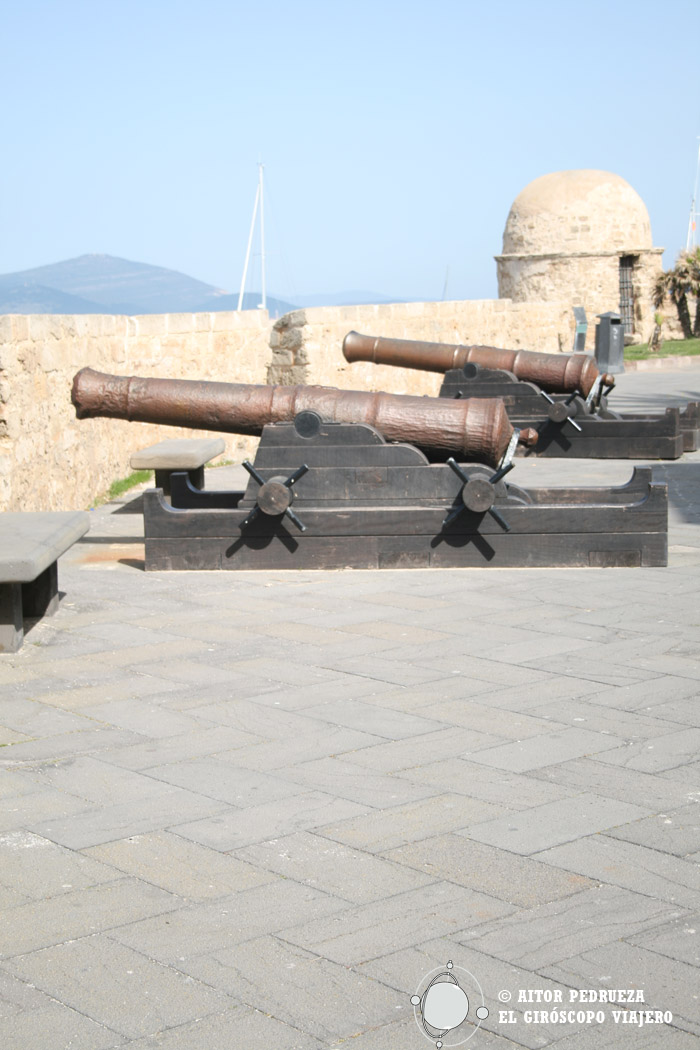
(395,135)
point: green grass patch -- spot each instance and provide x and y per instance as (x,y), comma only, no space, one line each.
(118,488)
(670,348)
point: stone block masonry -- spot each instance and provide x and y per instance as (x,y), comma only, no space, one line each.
(49,460)
(306,345)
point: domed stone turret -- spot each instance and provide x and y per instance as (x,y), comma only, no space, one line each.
(582,237)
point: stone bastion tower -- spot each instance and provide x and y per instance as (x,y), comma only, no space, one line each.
(582,237)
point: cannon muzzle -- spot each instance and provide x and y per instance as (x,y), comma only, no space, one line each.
(476,429)
(555,373)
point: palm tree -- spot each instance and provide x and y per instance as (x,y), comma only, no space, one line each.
(680,282)
(694,272)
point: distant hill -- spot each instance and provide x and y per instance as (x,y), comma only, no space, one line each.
(118,285)
(27,297)
(251,301)
(99,284)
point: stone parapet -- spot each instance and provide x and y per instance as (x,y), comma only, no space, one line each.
(307,344)
(49,460)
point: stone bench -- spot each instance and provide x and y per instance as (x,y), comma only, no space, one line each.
(30,544)
(179,454)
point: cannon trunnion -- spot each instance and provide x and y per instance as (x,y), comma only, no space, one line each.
(337,495)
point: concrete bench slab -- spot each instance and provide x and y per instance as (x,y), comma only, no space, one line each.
(30,544)
(188,454)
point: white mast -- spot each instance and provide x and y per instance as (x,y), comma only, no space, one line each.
(258,200)
(263,304)
(691,239)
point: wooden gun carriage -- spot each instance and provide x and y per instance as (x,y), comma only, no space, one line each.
(561,395)
(341,493)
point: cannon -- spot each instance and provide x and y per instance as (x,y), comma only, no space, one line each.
(561,395)
(327,492)
(475,429)
(559,373)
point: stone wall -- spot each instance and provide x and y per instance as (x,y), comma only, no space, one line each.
(306,344)
(49,460)
(591,281)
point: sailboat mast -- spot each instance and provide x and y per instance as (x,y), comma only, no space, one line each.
(263,304)
(247,254)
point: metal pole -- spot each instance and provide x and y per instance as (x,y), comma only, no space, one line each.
(262,237)
(247,254)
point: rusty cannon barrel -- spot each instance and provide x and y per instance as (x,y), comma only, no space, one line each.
(476,429)
(555,373)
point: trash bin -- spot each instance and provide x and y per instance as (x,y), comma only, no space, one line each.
(610,343)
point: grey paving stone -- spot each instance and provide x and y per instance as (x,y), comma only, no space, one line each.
(358,934)
(678,939)
(629,785)
(39,868)
(674,831)
(314,995)
(491,671)
(318,741)
(534,646)
(547,934)
(106,823)
(684,710)
(464,777)
(241,1027)
(199,929)
(641,696)
(296,698)
(29,1019)
(665,752)
(151,752)
(18,812)
(540,827)
(15,784)
(524,697)
(116,986)
(417,699)
(354,714)
(405,1033)
(147,719)
(88,741)
(124,686)
(384,669)
(480,716)
(95,780)
(627,864)
(79,913)
(397,755)
(667,984)
(588,714)
(276,670)
(382,830)
(352,874)
(479,974)
(345,779)
(231,829)
(35,719)
(185,868)
(516,880)
(611,1036)
(520,756)
(220,779)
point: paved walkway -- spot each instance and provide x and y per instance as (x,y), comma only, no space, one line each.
(264,810)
